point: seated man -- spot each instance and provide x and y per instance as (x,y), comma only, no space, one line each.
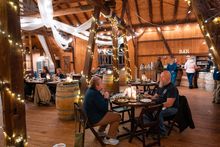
(96,107)
(167,94)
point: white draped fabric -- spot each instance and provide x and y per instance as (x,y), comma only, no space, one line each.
(45,47)
(46,19)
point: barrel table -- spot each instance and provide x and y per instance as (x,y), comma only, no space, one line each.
(66,96)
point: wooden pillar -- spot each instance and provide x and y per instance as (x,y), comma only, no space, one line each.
(31,52)
(11,75)
(115,56)
(91,44)
(126,55)
(206,12)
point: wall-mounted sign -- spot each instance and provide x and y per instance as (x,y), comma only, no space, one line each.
(184,51)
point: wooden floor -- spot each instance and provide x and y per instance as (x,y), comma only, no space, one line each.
(45,129)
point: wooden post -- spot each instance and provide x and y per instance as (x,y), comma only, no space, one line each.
(115,56)
(206,11)
(91,44)
(126,55)
(31,53)
(11,75)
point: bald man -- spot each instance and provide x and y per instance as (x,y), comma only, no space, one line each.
(167,95)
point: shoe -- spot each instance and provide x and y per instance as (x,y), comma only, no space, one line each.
(111,141)
(101,134)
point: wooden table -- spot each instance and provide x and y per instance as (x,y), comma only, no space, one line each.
(149,87)
(133,105)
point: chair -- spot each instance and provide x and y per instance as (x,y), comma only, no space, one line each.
(153,112)
(183,118)
(83,121)
(121,110)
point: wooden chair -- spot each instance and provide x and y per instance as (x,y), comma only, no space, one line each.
(121,110)
(153,112)
(82,120)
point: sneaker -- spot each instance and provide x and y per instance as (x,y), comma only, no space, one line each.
(101,134)
(111,141)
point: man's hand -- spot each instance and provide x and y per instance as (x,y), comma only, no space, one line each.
(106,95)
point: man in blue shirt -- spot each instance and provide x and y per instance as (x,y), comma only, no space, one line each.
(96,108)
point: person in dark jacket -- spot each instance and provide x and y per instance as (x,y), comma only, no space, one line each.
(96,108)
(45,73)
(158,68)
(167,95)
(216,94)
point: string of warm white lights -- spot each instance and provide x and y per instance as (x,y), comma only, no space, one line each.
(14,139)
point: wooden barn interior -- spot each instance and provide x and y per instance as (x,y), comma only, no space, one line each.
(118,40)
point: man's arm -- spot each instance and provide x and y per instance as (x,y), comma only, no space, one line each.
(169,102)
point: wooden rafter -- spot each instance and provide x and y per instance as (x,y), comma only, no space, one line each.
(176,39)
(77,19)
(85,15)
(51,51)
(68,11)
(188,13)
(66,17)
(124,3)
(164,41)
(176,9)
(137,10)
(161,11)
(133,40)
(150,8)
(91,44)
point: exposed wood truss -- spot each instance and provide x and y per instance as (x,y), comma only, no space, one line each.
(164,41)
(176,9)
(68,11)
(150,10)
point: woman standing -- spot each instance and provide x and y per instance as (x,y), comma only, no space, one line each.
(158,68)
(190,67)
(172,68)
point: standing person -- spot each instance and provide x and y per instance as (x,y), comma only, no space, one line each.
(158,68)
(216,94)
(190,67)
(172,68)
(96,108)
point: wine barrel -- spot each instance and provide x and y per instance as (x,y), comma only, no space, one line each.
(108,82)
(123,78)
(209,82)
(66,96)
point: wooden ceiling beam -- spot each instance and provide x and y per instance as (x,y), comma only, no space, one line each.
(66,17)
(164,41)
(176,10)
(188,13)
(77,19)
(85,15)
(161,11)
(143,25)
(150,8)
(165,23)
(69,11)
(137,10)
(124,3)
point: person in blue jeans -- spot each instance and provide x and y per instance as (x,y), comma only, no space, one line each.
(172,68)
(190,67)
(167,95)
